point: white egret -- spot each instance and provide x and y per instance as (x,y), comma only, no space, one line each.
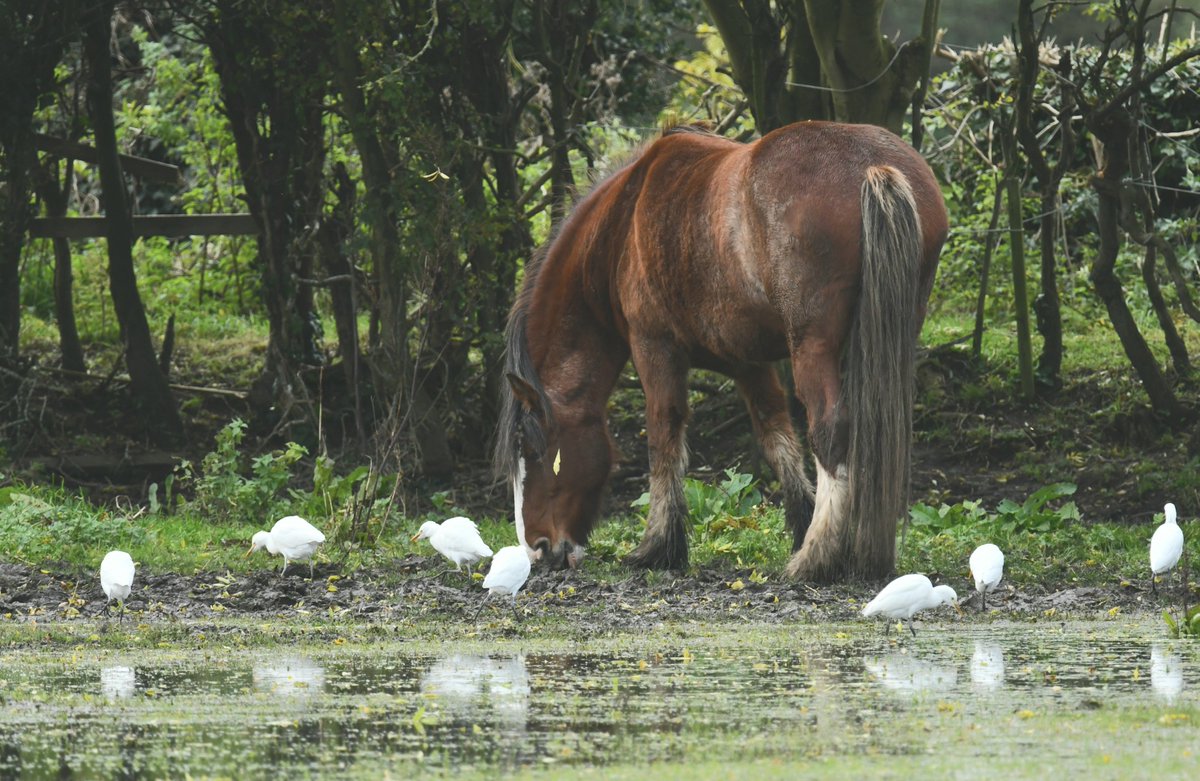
(116,578)
(1165,546)
(987,567)
(907,595)
(455,538)
(509,570)
(291,537)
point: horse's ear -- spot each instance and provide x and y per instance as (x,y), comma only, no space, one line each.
(526,394)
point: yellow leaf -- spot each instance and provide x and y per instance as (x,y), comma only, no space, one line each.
(737,585)
(557,461)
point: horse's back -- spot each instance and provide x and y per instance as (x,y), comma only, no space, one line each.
(737,250)
(825,164)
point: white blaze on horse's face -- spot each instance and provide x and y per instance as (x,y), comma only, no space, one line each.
(575,553)
(518,504)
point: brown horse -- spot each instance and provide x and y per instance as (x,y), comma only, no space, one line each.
(816,243)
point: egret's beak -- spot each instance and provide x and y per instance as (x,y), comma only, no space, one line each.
(957,607)
(249,552)
(415,537)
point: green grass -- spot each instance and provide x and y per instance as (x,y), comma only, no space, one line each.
(52,526)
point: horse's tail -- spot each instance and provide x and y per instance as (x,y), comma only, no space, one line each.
(877,386)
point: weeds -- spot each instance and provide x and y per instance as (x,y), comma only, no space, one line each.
(728,520)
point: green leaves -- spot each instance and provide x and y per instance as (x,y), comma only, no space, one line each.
(729,519)
(224,489)
(1187,626)
(1032,515)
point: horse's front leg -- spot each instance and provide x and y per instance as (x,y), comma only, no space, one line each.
(663,372)
(772,420)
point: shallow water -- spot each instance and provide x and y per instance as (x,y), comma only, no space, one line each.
(799,694)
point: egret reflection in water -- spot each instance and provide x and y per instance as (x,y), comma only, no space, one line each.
(117,681)
(1166,671)
(472,685)
(907,673)
(987,665)
(289,676)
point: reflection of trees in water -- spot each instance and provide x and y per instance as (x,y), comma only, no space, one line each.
(117,681)
(290,676)
(474,687)
(1166,671)
(987,665)
(907,673)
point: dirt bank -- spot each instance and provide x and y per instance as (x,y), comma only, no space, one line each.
(582,602)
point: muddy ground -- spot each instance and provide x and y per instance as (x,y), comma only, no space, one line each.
(966,447)
(580,603)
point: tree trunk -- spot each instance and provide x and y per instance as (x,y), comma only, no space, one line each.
(1016,246)
(1114,128)
(147,380)
(929,20)
(989,248)
(1046,306)
(16,208)
(819,59)
(332,237)
(394,377)
(273,93)
(55,198)
(33,36)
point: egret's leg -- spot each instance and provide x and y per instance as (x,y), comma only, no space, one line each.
(887,628)
(310,569)
(285,563)
(983,601)
(912,628)
(1153,584)
(516,615)
(122,603)
(487,599)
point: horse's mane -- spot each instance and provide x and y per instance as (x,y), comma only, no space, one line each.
(516,425)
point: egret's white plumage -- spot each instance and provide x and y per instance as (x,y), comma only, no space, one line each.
(116,577)
(908,595)
(291,537)
(508,573)
(455,538)
(1166,545)
(987,567)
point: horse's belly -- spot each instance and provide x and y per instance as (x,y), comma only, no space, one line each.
(726,343)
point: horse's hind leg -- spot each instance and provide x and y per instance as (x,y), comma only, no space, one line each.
(824,557)
(664,379)
(772,422)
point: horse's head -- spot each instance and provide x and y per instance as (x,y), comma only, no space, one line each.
(558,461)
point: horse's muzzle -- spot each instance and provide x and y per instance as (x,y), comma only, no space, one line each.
(562,556)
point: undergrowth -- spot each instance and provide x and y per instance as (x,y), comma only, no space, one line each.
(203,517)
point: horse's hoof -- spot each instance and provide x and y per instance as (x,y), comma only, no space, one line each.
(802,567)
(657,557)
